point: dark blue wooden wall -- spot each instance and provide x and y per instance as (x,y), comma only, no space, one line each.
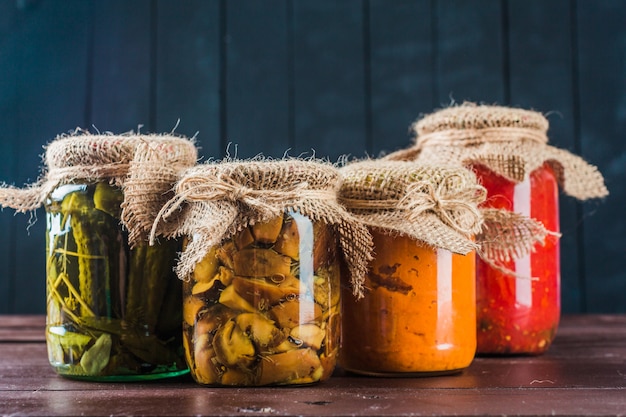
(336,77)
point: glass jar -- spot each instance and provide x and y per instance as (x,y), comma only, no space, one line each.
(113,313)
(520,314)
(418,316)
(262,308)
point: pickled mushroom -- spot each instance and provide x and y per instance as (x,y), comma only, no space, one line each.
(261,293)
(290,314)
(237,377)
(208,291)
(205,370)
(244,239)
(206,269)
(311,335)
(264,329)
(261,329)
(256,262)
(267,232)
(232,346)
(288,366)
(191,308)
(288,242)
(230,298)
(211,319)
(225,253)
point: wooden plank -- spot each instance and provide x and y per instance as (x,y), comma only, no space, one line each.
(470,53)
(120,68)
(401,71)
(257,78)
(53,38)
(187,73)
(602,107)
(9,50)
(29,328)
(329,83)
(582,374)
(541,79)
(314,401)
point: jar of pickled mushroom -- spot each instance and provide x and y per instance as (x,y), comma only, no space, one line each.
(261,271)
(113,305)
(518,291)
(418,311)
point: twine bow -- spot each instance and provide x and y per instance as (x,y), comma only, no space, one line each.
(455,206)
(267,203)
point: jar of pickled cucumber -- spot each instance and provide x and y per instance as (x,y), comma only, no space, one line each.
(419,309)
(261,271)
(518,283)
(113,305)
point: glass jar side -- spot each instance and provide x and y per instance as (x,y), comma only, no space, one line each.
(263,307)
(418,315)
(520,315)
(113,314)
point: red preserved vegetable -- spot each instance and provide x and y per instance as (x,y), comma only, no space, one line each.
(520,314)
(518,279)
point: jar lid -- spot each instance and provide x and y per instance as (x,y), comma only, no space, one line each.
(432,203)
(511,142)
(473,116)
(213,201)
(86,150)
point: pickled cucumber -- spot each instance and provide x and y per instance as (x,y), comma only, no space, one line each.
(117,310)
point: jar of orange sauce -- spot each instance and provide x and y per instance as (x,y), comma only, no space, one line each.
(417,314)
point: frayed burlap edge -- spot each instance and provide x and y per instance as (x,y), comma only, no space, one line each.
(433,204)
(84,157)
(509,141)
(214,201)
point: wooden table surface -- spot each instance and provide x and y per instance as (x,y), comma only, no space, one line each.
(583,373)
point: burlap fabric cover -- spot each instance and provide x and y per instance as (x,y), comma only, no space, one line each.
(511,142)
(83,157)
(214,201)
(434,204)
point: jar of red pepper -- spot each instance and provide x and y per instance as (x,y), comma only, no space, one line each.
(518,295)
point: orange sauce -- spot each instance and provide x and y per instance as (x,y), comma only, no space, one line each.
(418,314)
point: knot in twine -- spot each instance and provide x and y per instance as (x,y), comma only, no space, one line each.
(267,203)
(455,206)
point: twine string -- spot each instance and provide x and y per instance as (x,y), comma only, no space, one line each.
(470,137)
(455,205)
(268,203)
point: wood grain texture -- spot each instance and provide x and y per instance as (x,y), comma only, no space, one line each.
(9,49)
(304,76)
(187,72)
(541,59)
(257,78)
(52,80)
(602,116)
(581,374)
(401,71)
(120,67)
(329,96)
(470,52)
